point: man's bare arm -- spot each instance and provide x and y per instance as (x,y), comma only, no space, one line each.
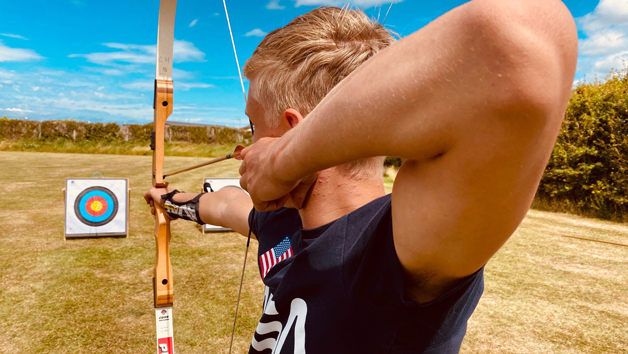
(474,101)
(227,207)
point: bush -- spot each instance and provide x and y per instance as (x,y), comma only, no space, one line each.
(587,171)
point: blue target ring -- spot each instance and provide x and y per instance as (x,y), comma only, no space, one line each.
(96,206)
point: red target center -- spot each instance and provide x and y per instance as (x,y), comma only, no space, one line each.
(96,206)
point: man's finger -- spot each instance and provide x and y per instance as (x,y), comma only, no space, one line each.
(245,151)
(243,183)
(242,169)
(301,194)
(148,197)
(271,205)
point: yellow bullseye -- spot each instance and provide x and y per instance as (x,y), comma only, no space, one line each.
(96,206)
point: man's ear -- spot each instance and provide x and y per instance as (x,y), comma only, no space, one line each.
(292,117)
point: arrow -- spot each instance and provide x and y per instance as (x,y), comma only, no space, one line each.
(235,154)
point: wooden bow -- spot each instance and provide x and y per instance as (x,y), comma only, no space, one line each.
(163,291)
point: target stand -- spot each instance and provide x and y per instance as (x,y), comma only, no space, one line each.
(96,207)
(213,184)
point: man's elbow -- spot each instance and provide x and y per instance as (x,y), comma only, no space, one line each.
(532,51)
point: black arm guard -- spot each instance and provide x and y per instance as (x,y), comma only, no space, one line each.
(182,210)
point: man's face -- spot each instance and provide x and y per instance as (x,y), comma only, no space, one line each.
(255,112)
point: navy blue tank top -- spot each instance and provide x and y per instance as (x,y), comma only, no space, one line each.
(338,288)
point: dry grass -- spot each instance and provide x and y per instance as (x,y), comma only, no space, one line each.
(544,293)
(95,295)
(114,147)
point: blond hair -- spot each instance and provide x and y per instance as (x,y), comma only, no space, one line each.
(297,65)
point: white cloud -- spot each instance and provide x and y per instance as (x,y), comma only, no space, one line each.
(604,41)
(17,54)
(256,32)
(607,13)
(183,51)
(606,44)
(36,88)
(178,74)
(5,74)
(113,72)
(11,35)
(616,61)
(186,86)
(224,78)
(274,5)
(193,23)
(134,110)
(363,4)
(151,49)
(18,110)
(114,57)
(140,85)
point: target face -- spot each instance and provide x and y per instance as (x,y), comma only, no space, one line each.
(96,206)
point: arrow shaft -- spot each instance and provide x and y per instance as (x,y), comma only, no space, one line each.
(218,159)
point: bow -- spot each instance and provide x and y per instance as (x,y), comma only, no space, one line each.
(163,291)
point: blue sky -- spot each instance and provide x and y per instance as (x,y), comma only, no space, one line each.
(94,60)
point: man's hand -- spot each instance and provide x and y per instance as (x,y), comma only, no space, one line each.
(153,196)
(262,178)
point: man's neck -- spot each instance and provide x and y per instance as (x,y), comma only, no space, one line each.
(335,195)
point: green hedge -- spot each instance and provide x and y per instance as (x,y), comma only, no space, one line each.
(587,172)
(15,129)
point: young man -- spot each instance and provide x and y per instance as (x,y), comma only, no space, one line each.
(473,102)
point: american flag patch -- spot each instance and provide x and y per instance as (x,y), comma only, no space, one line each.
(282,251)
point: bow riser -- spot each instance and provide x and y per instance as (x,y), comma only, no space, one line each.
(163,284)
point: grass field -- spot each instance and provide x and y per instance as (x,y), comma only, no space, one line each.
(544,293)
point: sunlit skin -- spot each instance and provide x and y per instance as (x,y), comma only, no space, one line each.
(473,101)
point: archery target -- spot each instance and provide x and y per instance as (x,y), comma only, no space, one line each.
(217,184)
(96,207)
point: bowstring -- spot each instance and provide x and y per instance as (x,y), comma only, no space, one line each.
(248,241)
(235,318)
(234,50)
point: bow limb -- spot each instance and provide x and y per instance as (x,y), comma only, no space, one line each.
(163,291)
